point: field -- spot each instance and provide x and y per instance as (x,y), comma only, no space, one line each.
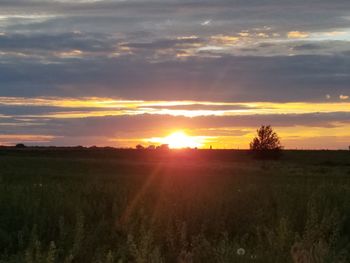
(149,206)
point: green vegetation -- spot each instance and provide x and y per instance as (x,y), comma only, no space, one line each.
(103,205)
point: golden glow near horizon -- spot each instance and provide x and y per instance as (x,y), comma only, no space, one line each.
(179,140)
(298,34)
(333,133)
(292,137)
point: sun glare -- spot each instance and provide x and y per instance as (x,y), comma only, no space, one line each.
(180,139)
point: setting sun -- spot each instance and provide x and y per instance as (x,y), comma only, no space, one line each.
(180,139)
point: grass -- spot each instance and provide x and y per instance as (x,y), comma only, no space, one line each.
(105,205)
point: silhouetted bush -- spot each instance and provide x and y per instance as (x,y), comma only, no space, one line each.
(163,147)
(139,147)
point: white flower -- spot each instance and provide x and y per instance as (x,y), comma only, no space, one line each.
(240,252)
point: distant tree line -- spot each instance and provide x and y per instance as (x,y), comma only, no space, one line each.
(265,145)
(152,147)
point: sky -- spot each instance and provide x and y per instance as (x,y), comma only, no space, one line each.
(125,72)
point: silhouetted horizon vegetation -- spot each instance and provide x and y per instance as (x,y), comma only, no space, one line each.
(265,145)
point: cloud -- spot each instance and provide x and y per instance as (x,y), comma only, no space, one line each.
(206,22)
(35,124)
(307,46)
(180,42)
(198,50)
(140,124)
(43,110)
(228,78)
(130,130)
(229,16)
(56,42)
(225,40)
(298,34)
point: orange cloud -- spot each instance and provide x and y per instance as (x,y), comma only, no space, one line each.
(68,54)
(225,40)
(298,34)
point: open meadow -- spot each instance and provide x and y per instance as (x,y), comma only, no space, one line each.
(182,206)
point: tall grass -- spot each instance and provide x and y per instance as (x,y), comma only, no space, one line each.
(104,211)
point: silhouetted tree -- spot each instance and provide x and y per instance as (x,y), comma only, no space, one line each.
(266,144)
(163,147)
(20,145)
(139,147)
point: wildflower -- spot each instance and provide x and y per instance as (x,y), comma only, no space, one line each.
(240,252)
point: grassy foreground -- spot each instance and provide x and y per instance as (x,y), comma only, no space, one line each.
(103,205)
